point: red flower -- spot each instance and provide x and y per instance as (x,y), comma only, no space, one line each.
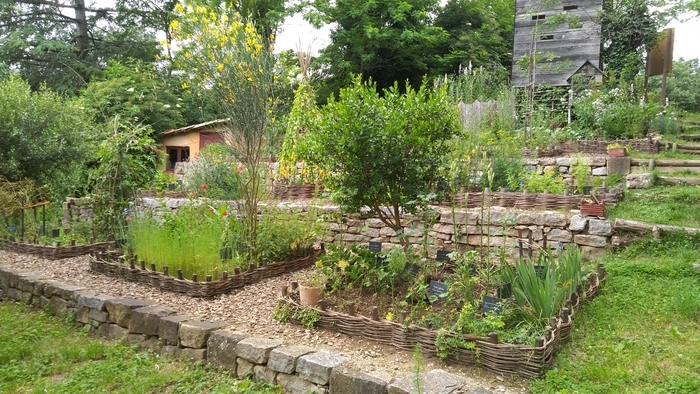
(191,195)
(240,168)
(224,214)
(204,187)
(128,218)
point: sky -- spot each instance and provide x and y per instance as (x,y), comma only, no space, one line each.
(295,29)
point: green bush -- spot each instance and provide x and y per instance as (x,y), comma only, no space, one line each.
(548,180)
(214,173)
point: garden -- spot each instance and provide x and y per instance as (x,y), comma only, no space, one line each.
(436,216)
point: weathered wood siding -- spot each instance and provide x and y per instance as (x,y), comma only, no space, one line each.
(573,46)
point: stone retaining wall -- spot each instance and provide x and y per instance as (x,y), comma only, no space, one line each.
(598,166)
(452,230)
(298,369)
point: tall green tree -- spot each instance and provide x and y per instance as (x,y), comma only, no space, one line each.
(65,43)
(43,137)
(385,40)
(682,85)
(480,34)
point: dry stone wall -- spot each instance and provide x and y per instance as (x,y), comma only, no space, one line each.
(298,369)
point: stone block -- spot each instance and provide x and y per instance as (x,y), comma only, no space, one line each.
(244,368)
(284,358)
(58,306)
(26,297)
(559,235)
(578,223)
(496,215)
(44,303)
(119,309)
(170,351)
(98,316)
(257,350)
(592,253)
(112,331)
(4,279)
(169,328)
(195,355)
(542,219)
(639,181)
(565,161)
(600,171)
(145,320)
(264,374)
(374,223)
(194,334)
(136,339)
(25,281)
(347,381)
(293,384)
(435,381)
(317,367)
(618,165)
(444,228)
(93,301)
(590,240)
(600,227)
(67,292)
(370,232)
(221,347)
(387,232)
(83,315)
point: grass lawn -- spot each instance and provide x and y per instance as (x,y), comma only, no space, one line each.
(642,333)
(42,354)
(674,205)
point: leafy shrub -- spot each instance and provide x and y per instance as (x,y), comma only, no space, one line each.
(548,180)
(614,114)
(214,173)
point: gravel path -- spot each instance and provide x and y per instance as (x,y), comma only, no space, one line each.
(250,310)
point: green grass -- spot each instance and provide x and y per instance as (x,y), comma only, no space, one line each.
(642,333)
(42,354)
(674,205)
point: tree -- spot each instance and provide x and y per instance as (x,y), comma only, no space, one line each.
(480,34)
(64,43)
(628,29)
(383,40)
(229,57)
(137,91)
(383,152)
(43,137)
(682,85)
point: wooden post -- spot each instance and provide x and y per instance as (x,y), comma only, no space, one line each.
(565,315)
(143,265)
(251,267)
(284,291)
(194,277)
(224,276)
(295,285)
(132,264)
(351,308)
(236,271)
(402,316)
(153,267)
(601,271)
(179,274)
(208,278)
(375,313)
(165,270)
(539,342)
(322,305)
(493,337)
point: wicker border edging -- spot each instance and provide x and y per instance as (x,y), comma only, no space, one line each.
(502,358)
(162,281)
(54,252)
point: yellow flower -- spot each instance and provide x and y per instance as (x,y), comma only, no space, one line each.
(319,264)
(220,67)
(389,316)
(343,264)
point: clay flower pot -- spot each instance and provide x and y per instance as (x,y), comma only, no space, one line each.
(310,295)
(617,152)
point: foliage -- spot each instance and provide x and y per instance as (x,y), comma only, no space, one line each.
(664,205)
(43,137)
(647,315)
(614,114)
(229,56)
(63,44)
(308,317)
(385,41)
(214,173)
(682,85)
(40,353)
(538,182)
(126,161)
(483,84)
(383,151)
(137,91)
(480,35)
(295,148)
(581,173)
(628,29)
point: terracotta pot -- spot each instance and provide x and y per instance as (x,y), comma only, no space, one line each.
(310,295)
(617,152)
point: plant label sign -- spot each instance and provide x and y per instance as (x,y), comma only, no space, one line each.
(413,269)
(375,247)
(492,305)
(541,271)
(437,288)
(443,255)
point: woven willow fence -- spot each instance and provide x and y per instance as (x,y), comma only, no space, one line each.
(54,252)
(106,264)
(527,200)
(597,147)
(488,352)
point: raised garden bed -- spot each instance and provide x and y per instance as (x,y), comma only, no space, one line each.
(108,264)
(54,252)
(488,352)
